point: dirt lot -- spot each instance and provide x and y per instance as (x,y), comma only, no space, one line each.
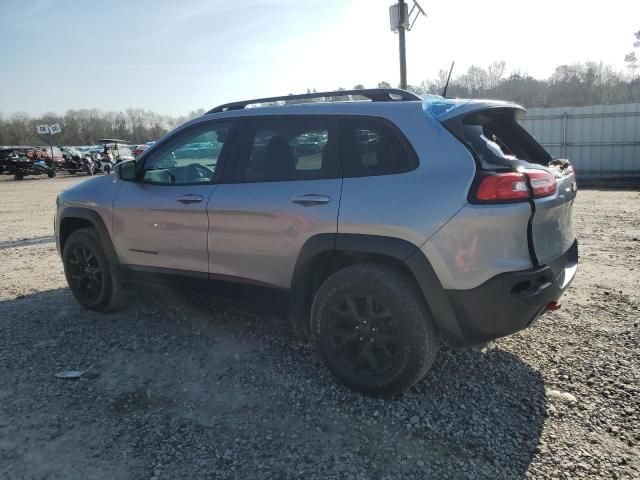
(179,387)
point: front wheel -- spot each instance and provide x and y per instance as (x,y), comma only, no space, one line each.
(94,280)
(373,330)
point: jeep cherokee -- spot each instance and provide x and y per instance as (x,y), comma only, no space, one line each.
(410,222)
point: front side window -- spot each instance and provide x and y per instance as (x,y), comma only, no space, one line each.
(190,158)
(370,146)
(285,149)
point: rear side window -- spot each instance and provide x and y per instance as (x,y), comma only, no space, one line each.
(371,146)
(285,149)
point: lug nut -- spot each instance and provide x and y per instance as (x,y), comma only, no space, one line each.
(361,339)
(371,340)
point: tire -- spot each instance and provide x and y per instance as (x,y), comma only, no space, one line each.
(93,279)
(51,174)
(388,315)
(19,176)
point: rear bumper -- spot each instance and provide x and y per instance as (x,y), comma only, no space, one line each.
(511,301)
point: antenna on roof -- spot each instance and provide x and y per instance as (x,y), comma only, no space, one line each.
(446,85)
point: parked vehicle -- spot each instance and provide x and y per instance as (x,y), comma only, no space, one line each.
(103,164)
(116,150)
(138,149)
(24,161)
(78,162)
(419,221)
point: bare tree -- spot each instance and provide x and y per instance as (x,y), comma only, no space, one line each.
(495,73)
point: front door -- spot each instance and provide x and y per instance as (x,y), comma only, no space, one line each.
(281,186)
(161,220)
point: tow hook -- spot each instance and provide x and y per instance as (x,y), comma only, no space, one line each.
(553,306)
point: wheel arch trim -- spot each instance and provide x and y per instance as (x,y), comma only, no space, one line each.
(94,219)
(399,250)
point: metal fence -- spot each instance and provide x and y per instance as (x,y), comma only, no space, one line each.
(602,141)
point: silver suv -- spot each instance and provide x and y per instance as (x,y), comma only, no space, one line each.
(383,227)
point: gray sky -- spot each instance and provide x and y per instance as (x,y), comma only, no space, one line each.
(180,55)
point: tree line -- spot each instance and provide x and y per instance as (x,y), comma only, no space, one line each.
(570,85)
(87,126)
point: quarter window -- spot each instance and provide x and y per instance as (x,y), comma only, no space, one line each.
(369,146)
(190,158)
(285,149)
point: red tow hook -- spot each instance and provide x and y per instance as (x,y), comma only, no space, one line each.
(553,306)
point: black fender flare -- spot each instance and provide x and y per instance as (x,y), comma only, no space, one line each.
(400,250)
(96,222)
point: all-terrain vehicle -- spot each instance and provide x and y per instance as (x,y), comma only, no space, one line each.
(23,161)
(78,162)
(383,227)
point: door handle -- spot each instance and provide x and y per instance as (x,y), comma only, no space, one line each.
(310,199)
(190,198)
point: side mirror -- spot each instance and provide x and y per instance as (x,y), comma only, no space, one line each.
(126,170)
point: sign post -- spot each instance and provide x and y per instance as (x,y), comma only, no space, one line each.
(51,130)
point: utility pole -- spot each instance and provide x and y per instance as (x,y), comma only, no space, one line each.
(401,22)
(403,51)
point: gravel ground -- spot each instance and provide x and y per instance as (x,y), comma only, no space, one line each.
(180,387)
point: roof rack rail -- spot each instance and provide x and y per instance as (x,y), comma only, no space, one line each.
(373,94)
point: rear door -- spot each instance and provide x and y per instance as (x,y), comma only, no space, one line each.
(500,143)
(281,186)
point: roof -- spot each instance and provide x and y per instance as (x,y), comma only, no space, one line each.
(384,102)
(373,94)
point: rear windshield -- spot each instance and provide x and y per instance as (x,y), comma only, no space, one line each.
(498,139)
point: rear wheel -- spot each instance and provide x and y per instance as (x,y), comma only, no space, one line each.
(94,280)
(373,330)
(18,176)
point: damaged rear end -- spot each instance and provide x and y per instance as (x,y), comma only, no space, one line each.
(522,190)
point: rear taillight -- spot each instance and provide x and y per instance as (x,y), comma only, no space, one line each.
(543,183)
(512,186)
(502,187)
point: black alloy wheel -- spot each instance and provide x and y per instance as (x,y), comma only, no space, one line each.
(85,273)
(373,329)
(93,277)
(363,334)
